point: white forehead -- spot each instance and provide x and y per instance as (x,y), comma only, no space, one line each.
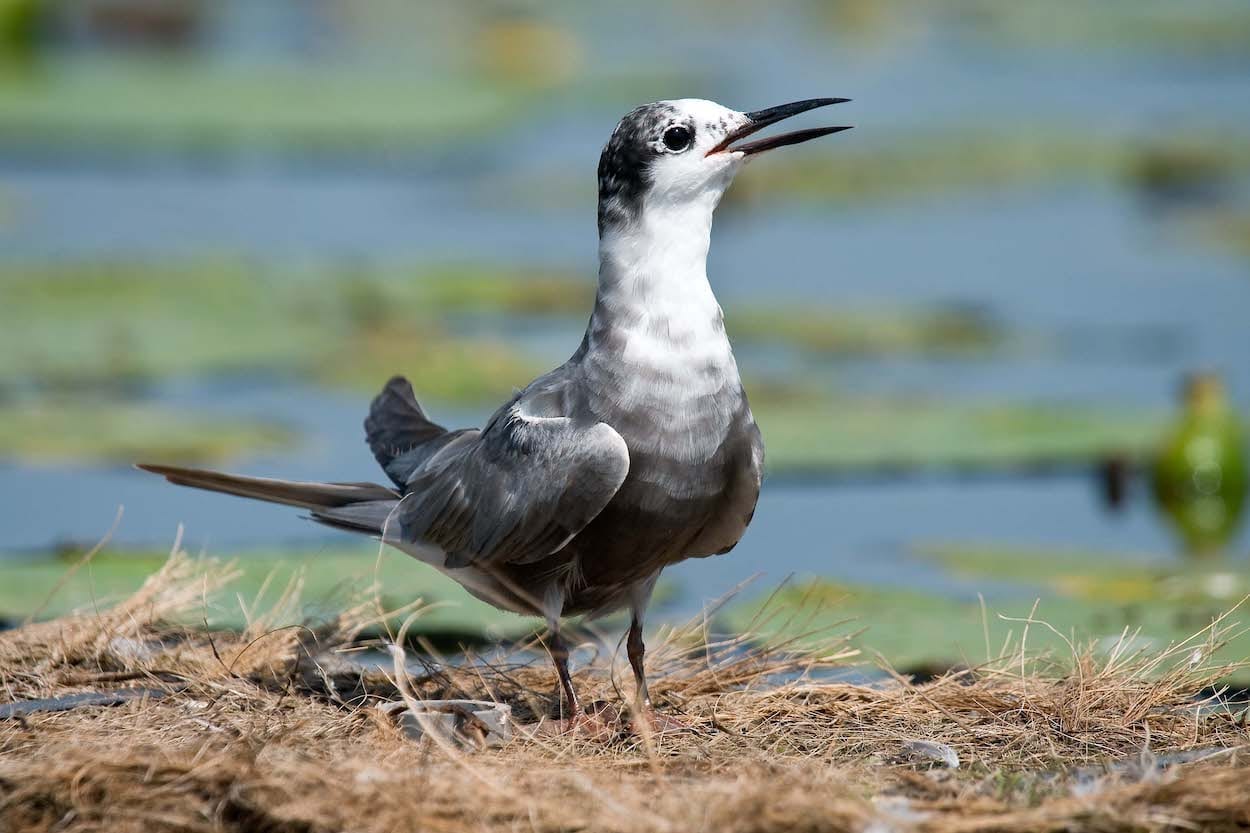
(702,111)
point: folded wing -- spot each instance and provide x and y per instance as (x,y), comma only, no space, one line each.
(513,493)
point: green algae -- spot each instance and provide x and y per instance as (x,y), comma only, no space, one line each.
(940,331)
(171,102)
(84,432)
(989,159)
(1082,598)
(76,326)
(864,436)
(75,329)
(942,160)
(1199,31)
(327,579)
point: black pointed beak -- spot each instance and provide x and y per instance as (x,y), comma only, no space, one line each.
(763,118)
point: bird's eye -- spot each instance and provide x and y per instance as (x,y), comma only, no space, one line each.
(677,138)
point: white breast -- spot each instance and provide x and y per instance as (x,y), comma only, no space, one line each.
(657,350)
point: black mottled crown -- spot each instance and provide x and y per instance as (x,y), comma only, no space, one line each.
(624,165)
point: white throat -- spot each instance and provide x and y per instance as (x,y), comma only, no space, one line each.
(656,266)
(654,297)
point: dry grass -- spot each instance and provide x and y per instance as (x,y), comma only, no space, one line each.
(269,730)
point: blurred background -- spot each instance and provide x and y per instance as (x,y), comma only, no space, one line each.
(996,336)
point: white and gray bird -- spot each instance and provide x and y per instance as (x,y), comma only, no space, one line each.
(638,452)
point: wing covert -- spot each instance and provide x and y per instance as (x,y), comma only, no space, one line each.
(516,492)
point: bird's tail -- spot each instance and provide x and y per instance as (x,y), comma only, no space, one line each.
(358,507)
(396,425)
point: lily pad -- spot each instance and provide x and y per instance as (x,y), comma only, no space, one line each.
(940,331)
(1099,576)
(1229,229)
(1085,596)
(476,290)
(75,326)
(327,580)
(910,628)
(1193,30)
(197,105)
(981,158)
(864,436)
(82,431)
(986,159)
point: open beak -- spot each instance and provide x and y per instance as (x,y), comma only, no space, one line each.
(763,118)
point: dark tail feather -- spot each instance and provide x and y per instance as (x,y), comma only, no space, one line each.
(307,495)
(369,517)
(396,424)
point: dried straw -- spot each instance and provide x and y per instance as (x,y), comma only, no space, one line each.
(270,730)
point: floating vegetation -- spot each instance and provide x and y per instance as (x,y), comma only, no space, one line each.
(77,329)
(482,290)
(86,431)
(1099,577)
(163,103)
(322,576)
(84,326)
(1180,172)
(1199,475)
(1083,598)
(1200,30)
(371,113)
(1228,229)
(1206,31)
(941,331)
(857,436)
(19,25)
(902,626)
(1191,165)
(514,49)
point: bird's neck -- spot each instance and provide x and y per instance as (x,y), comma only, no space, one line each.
(654,310)
(653,269)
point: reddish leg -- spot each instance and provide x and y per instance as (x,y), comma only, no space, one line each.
(560,656)
(644,711)
(575,719)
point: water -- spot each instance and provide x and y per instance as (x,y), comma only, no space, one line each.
(853,532)
(1123,300)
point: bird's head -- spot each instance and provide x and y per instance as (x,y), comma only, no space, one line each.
(673,154)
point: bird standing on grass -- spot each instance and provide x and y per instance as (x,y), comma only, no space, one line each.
(638,452)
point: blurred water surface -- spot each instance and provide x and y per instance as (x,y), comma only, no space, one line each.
(1107,273)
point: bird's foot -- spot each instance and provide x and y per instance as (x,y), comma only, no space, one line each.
(598,721)
(649,721)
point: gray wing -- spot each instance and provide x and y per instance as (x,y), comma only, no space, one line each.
(513,493)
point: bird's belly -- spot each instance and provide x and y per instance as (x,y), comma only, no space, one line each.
(666,511)
(630,542)
(693,464)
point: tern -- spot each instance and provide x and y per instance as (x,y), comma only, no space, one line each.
(638,452)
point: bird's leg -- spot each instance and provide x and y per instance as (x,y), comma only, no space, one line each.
(560,656)
(576,720)
(637,650)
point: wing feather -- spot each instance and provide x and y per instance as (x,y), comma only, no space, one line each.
(516,492)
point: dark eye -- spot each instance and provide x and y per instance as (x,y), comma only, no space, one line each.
(677,138)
